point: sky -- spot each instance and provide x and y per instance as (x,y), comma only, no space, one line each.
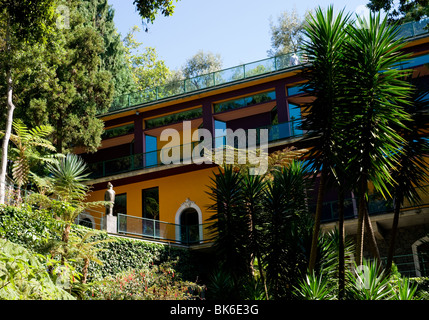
(238,30)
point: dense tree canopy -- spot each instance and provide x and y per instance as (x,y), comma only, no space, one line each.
(404,10)
(148,9)
(286,33)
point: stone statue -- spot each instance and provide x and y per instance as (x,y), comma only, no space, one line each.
(109,196)
(294,60)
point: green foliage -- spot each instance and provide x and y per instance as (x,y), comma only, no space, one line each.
(67,177)
(365,282)
(316,287)
(62,83)
(100,15)
(23,276)
(148,10)
(146,68)
(377,106)
(39,232)
(33,229)
(149,283)
(25,154)
(221,284)
(29,20)
(403,10)
(287,33)
(405,290)
(261,219)
(368,283)
(230,221)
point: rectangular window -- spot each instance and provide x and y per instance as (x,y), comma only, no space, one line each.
(245,101)
(118,131)
(220,138)
(151,154)
(120,204)
(150,212)
(150,203)
(174,118)
(121,207)
(291,91)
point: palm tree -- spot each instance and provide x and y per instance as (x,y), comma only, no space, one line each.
(68,175)
(66,183)
(326,36)
(230,228)
(374,95)
(83,248)
(253,191)
(411,174)
(25,151)
(286,211)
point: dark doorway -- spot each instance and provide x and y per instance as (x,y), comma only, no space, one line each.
(189,226)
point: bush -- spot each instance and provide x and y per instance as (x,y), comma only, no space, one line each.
(127,254)
(36,230)
(23,276)
(149,283)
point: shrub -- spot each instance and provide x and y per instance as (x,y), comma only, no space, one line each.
(23,276)
(36,230)
(149,283)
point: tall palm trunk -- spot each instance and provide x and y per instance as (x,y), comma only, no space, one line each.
(372,240)
(360,226)
(397,208)
(364,222)
(317,219)
(341,250)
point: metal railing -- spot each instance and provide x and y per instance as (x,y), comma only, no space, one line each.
(164,231)
(241,72)
(376,206)
(14,195)
(411,265)
(209,80)
(178,155)
(140,161)
(413,29)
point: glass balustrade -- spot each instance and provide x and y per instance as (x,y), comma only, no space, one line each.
(182,153)
(245,71)
(164,231)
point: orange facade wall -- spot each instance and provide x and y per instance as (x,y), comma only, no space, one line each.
(173,192)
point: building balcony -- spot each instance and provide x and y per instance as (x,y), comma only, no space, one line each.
(154,159)
(242,72)
(381,212)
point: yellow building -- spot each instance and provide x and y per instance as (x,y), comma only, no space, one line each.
(157,200)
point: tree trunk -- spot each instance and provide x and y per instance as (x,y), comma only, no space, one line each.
(341,250)
(85,270)
(317,218)
(360,226)
(397,208)
(261,273)
(9,120)
(65,240)
(6,138)
(372,240)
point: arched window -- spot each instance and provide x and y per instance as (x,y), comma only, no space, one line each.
(86,223)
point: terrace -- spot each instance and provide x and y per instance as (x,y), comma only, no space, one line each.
(153,159)
(202,235)
(242,72)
